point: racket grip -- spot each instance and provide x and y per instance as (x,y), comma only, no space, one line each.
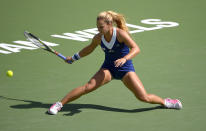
(63,57)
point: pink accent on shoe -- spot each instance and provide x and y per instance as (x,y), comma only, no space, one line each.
(175,104)
(55,108)
(52,105)
(59,108)
(172,101)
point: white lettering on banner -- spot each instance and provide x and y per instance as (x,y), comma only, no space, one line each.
(50,44)
(4,52)
(85,35)
(27,43)
(93,30)
(159,23)
(14,48)
(77,37)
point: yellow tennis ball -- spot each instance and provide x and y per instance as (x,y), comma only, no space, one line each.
(9,73)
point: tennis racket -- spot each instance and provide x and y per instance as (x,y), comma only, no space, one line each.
(36,41)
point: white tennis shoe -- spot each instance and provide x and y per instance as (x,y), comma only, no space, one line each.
(173,104)
(55,108)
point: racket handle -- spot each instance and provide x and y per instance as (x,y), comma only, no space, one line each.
(63,57)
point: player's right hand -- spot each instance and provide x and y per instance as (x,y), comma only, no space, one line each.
(69,58)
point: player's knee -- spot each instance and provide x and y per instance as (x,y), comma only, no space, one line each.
(88,87)
(144,98)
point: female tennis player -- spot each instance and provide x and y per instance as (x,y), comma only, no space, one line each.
(119,49)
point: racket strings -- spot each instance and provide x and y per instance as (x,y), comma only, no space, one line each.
(37,43)
(34,41)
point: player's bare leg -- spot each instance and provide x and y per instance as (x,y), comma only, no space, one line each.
(102,77)
(132,82)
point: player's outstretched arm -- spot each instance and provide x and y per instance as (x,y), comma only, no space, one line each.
(86,50)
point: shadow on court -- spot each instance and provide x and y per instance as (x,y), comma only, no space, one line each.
(75,108)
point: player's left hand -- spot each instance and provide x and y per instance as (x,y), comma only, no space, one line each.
(120,62)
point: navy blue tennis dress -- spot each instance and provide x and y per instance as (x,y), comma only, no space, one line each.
(115,50)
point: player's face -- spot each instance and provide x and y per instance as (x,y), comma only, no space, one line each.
(102,26)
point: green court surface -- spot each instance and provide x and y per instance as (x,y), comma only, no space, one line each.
(172,63)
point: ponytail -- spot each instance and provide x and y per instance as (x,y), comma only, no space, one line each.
(115,18)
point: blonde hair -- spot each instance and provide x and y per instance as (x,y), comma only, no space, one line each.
(114,18)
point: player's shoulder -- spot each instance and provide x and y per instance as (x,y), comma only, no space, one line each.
(97,38)
(121,34)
